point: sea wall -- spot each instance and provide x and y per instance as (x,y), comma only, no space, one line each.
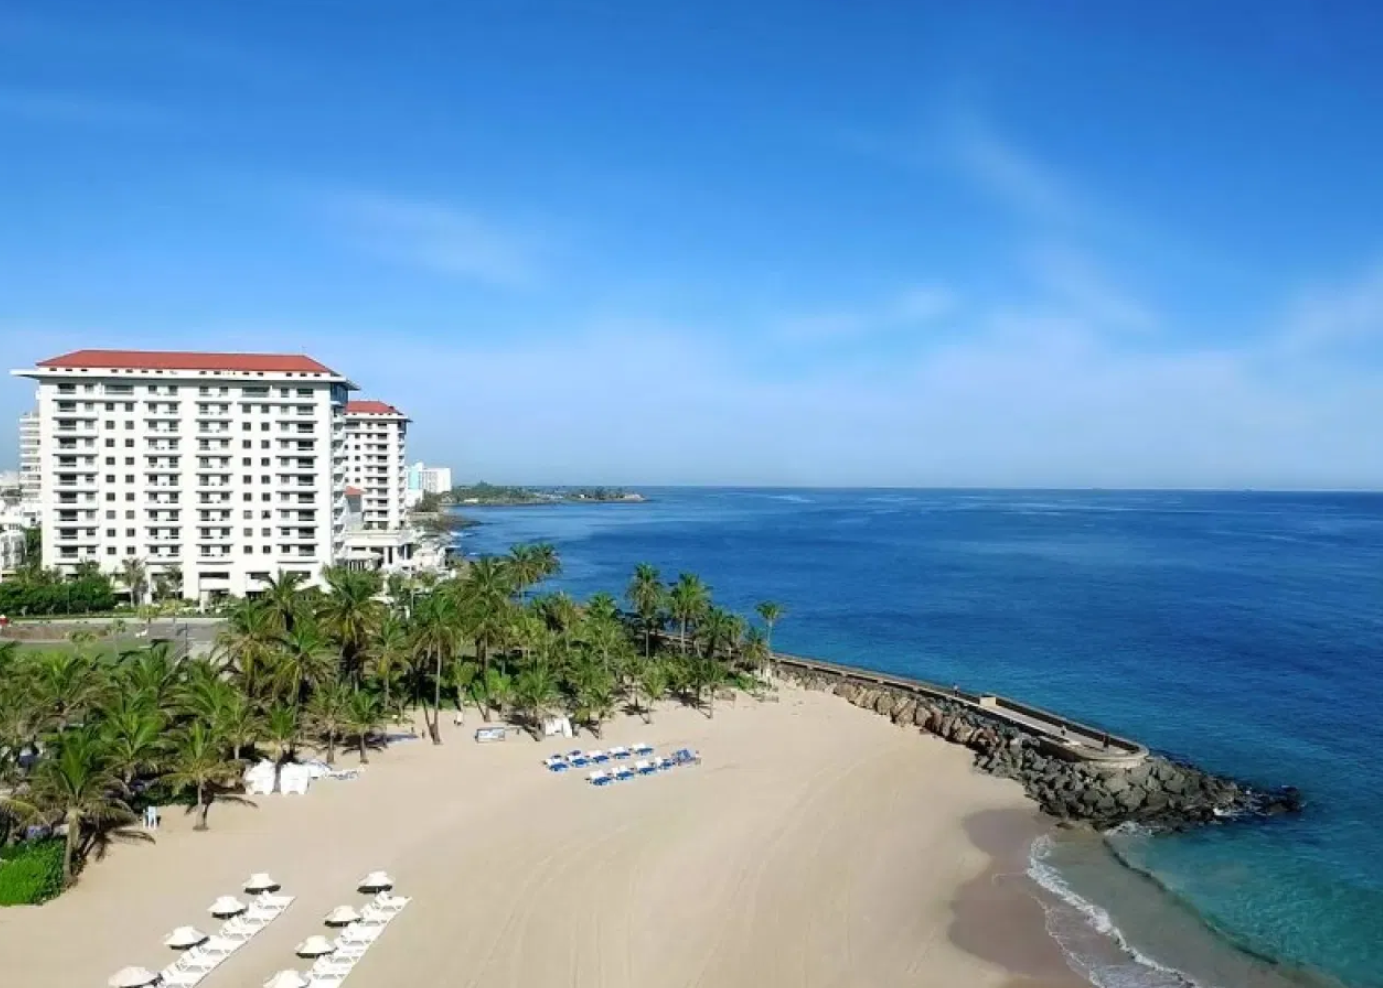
(1158,792)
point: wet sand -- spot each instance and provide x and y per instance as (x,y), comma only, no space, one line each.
(817,845)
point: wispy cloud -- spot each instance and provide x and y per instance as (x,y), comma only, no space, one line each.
(1010,173)
(1073,279)
(1345,313)
(439,237)
(910,309)
(49,107)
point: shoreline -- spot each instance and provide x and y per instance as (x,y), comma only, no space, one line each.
(813,844)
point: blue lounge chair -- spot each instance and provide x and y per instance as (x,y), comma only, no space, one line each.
(644,767)
(578,760)
(598,756)
(641,748)
(624,773)
(557,763)
(600,777)
(619,751)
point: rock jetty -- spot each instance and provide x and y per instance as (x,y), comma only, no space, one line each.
(1159,793)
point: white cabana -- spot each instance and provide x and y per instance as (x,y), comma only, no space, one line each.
(294,779)
(260,882)
(314,946)
(260,778)
(287,979)
(227,906)
(184,937)
(557,727)
(376,881)
(342,916)
(132,977)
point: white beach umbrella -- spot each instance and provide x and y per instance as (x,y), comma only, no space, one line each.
(287,979)
(376,881)
(342,916)
(184,937)
(132,977)
(227,905)
(260,882)
(314,946)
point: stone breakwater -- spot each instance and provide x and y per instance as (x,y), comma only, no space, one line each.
(1159,793)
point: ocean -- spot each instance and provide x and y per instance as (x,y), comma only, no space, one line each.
(1241,630)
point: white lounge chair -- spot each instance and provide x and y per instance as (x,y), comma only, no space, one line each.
(619,751)
(388,903)
(600,777)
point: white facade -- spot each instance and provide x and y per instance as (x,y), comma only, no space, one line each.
(228,468)
(436,480)
(30,469)
(376,443)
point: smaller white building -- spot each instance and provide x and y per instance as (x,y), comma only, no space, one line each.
(423,479)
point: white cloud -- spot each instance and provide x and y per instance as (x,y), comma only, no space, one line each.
(1009,173)
(1345,313)
(1074,279)
(911,309)
(439,237)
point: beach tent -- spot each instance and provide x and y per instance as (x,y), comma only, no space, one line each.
(314,946)
(376,881)
(132,977)
(557,727)
(294,779)
(260,882)
(260,778)
(184,937)
(287,979)
(227,905)
(342,916)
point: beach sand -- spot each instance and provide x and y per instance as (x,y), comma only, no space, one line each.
(817,845)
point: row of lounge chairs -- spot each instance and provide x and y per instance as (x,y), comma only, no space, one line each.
(202,954)
(563,761)
(644,766)
(335,959)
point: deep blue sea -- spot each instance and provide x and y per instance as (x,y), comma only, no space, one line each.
(1242,630)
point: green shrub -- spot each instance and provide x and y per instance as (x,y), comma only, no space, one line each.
(30,873)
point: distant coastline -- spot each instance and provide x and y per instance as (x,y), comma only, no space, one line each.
(483,495)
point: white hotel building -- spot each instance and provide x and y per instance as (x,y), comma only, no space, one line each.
(226,467)
(376,482)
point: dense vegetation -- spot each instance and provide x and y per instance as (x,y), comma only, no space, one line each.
(37,592)
(86,739)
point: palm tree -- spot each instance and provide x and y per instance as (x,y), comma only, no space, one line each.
(282,597)
(535,696)
(707,676)
(250,641)
(283,730)
(386,654)
(603,607)
(483,599)
(652,683)
(549,563)
(135,575)
(168,582)
(65,686)
(646,595)
(688,600)
(593,695)
(770,613)
(755,653)
(361,718)
(74,784)
(151,673)
(132,736)
(305,658)
(350,612)
(525,568)
(199,762)
(491,690)
(436,639)
(327,713)
(236,720)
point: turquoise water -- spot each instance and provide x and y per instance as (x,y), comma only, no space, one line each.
(1243,630)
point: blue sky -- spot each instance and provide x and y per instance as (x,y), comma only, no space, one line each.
(868,243)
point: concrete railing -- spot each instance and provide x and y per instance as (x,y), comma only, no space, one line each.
(1060,735)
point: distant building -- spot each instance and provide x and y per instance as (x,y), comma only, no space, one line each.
(423,479)
(376,478)
(30,467)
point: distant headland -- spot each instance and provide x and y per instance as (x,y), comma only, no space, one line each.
(499,495)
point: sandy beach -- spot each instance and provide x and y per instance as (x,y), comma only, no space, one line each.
(817,845)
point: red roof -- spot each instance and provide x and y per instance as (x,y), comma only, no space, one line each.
(353,492)
(371,408)
(174,360)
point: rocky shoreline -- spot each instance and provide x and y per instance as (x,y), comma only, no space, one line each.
(1160,793)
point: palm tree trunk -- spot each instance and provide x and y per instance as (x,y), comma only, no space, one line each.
(364,758)
(433,728)
(684,636)
(331,748)
(202,807)
(69,850)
